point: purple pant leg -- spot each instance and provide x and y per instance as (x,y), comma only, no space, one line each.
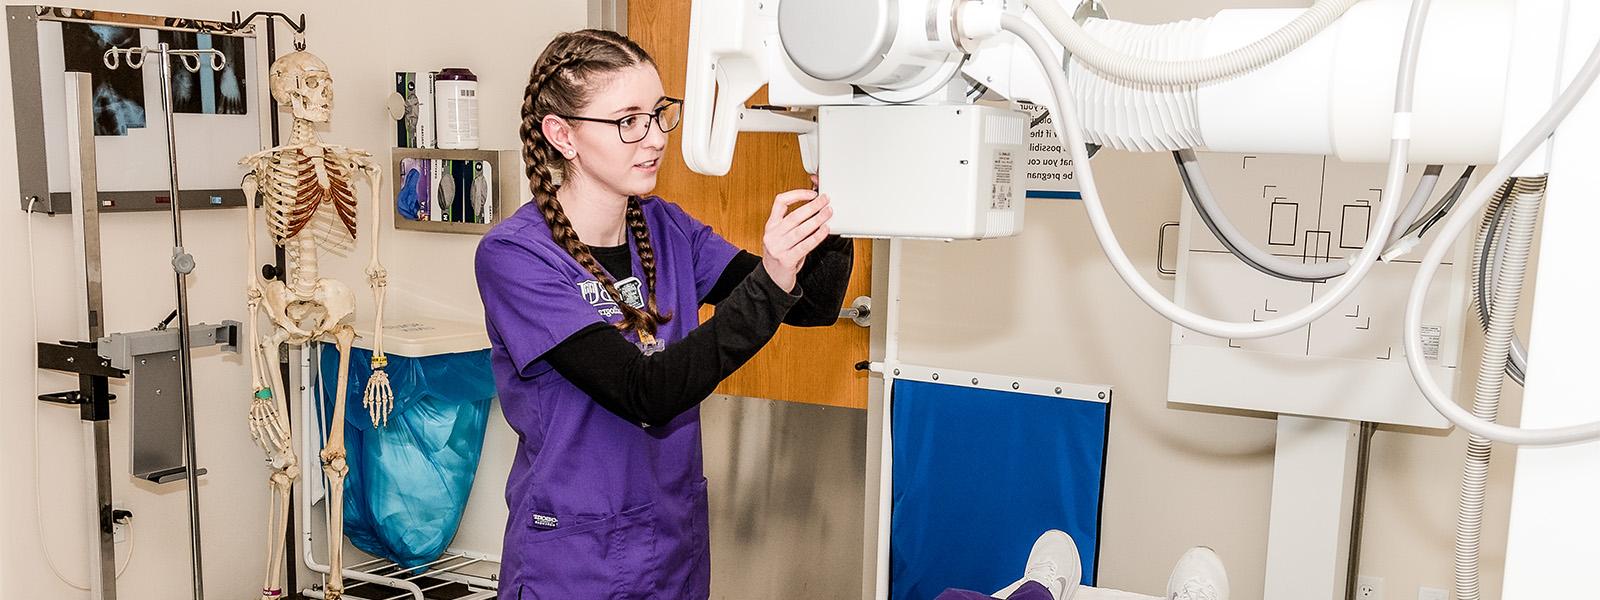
(1031,590)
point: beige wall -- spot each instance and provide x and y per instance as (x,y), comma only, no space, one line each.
(363,43)
(1047,304)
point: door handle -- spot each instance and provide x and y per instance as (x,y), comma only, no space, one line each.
(860,311)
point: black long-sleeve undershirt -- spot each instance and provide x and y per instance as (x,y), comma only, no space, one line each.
(653,389)
(825,277)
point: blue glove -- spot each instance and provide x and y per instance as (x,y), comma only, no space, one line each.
(407,201)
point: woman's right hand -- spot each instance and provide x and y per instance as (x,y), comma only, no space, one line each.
(790,236)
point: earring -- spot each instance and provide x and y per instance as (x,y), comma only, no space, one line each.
(571,154)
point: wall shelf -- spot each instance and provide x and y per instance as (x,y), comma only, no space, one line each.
(505,181)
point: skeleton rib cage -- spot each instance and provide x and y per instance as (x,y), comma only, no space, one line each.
(298,197)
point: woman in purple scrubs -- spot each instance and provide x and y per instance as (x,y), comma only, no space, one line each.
(592,294)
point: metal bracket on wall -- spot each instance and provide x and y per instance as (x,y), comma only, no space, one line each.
(150,359)
(93,395)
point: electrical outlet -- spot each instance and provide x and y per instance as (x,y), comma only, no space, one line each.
(1428,593)
(1369,588)
(121,520)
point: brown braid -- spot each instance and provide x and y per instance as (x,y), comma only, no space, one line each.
(647,258)
(558,85)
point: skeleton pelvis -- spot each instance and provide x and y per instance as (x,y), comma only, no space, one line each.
(309,315)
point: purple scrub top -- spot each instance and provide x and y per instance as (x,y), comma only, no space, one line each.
(599,507)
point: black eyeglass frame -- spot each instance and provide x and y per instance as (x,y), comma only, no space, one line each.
(654,116)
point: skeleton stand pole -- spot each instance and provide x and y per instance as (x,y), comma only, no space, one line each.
(291,581)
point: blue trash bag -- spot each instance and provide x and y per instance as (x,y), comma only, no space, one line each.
(409,480)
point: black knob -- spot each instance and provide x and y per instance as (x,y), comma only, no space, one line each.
(269,271)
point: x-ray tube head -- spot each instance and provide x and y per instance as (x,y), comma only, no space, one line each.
(836,40)
(883,44)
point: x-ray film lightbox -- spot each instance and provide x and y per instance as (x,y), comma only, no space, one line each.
(217,115)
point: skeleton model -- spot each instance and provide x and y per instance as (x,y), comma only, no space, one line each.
(308,191)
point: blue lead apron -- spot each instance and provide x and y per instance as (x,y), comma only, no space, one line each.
(599,507)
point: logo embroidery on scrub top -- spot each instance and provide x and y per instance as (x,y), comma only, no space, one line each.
(632,291)
(545,521)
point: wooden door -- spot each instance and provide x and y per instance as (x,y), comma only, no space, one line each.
(814,365)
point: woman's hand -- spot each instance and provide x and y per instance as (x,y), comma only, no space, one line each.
(790,236)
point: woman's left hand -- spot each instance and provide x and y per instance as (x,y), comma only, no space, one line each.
(790,236)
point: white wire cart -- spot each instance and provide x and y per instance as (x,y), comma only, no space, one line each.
(458,574)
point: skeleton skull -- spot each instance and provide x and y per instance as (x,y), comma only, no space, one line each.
(302,82)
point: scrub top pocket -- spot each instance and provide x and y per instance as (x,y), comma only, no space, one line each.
(611,557)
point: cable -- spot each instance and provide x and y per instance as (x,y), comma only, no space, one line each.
(1137,69)
(1419,199)
(1449,232)
(1489,250)
(132,540)
(1237,243)
(1068,129)
(38,499)
(1412,236)
(975,91)
(1443,208)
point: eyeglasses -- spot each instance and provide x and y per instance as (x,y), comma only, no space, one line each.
(633,128)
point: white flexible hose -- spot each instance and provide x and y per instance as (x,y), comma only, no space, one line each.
(1451,229)
(1526,197)
(1090,51)
(1488,250)
(1071,132)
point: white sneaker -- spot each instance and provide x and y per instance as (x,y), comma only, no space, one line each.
(1054,563)
(1199,575)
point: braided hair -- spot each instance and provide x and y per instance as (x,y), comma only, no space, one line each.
(560,84)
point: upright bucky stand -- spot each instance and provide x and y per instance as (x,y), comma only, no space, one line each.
(94,372)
